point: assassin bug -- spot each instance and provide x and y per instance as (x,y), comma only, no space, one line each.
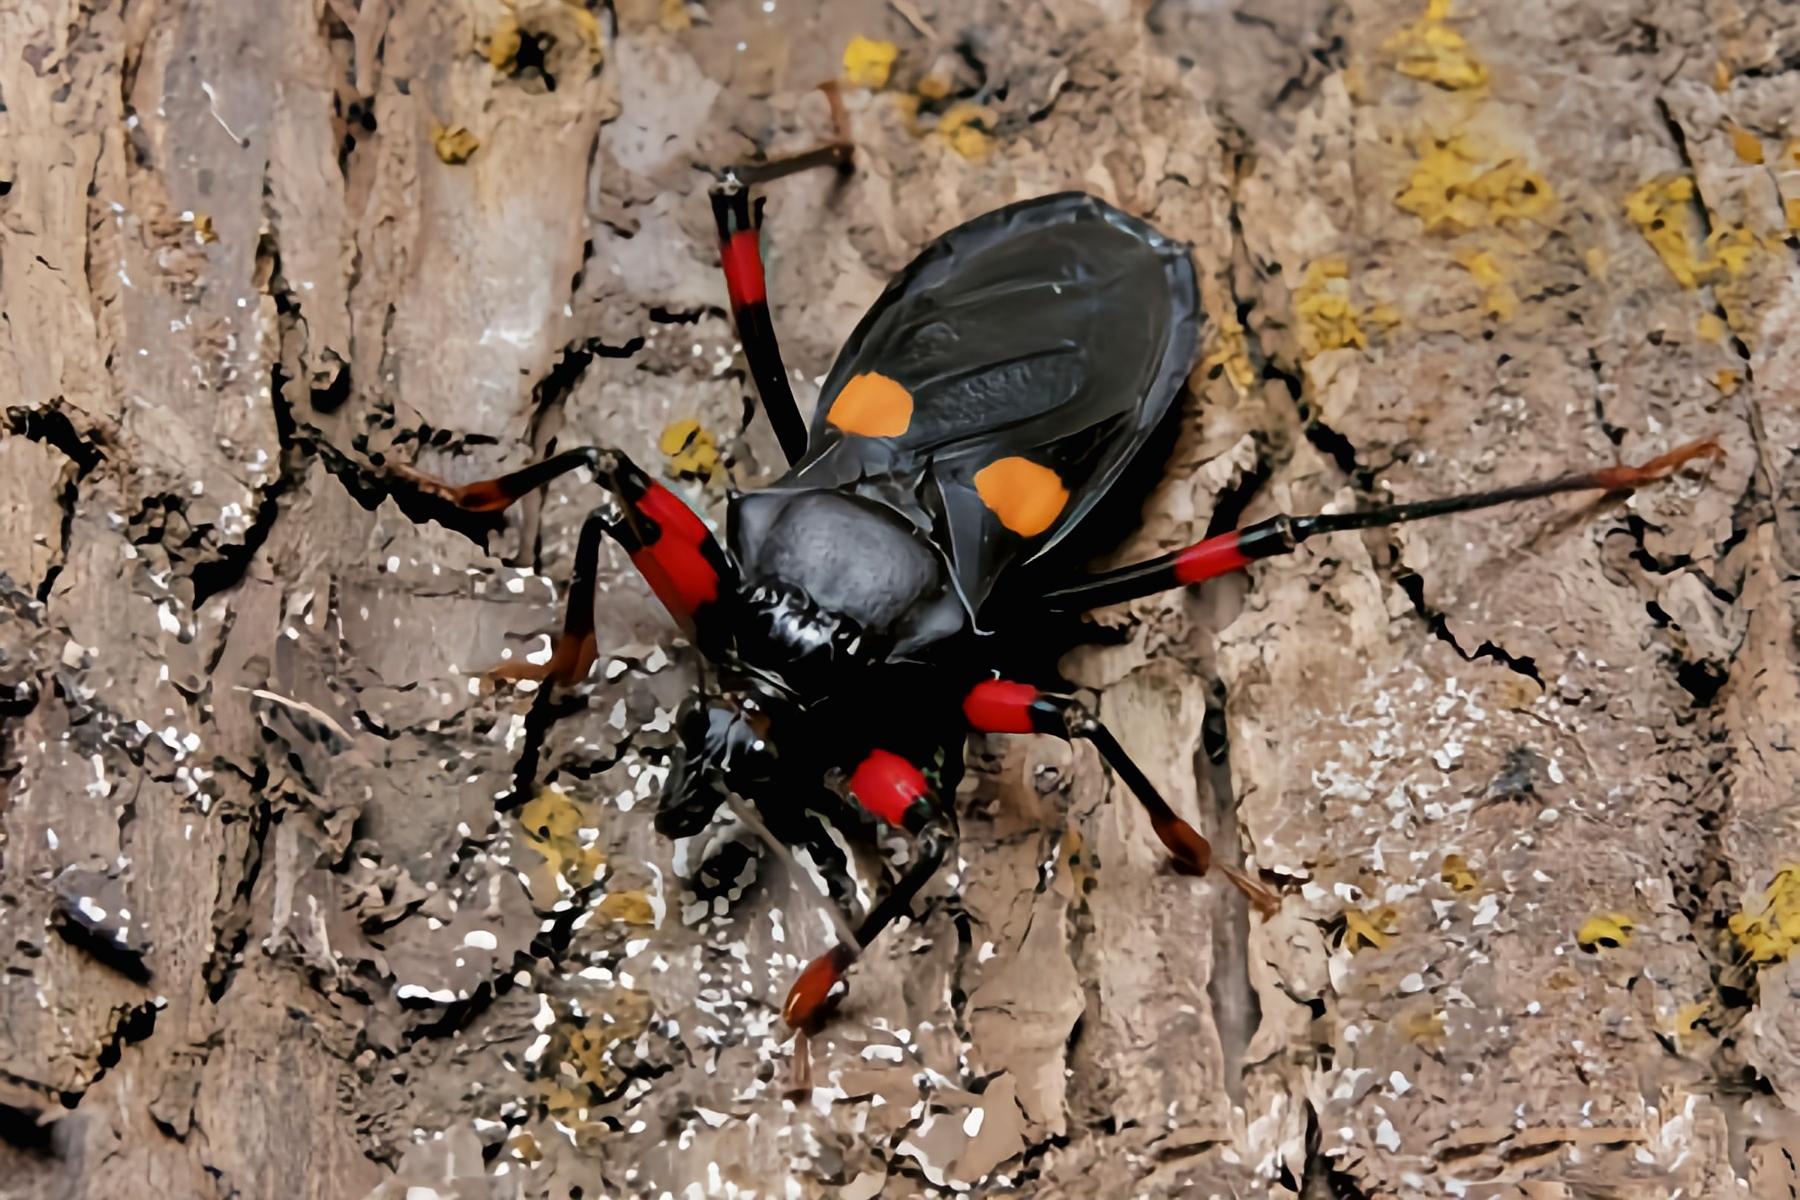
(1000,387)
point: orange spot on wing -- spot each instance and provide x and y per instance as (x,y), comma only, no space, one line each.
(872,405)
(1026,496)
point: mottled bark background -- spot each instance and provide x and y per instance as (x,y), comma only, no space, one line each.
(291,906)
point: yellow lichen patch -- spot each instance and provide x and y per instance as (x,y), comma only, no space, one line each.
(1514,694)
(1594,259)
(1710,327)
(1792,209)
(203,229)
(1374,928)
(1328,317)
(1769,932)
(1384,315)
(907,104)
(1482,265)
(587,25)
(1457,185)
(1721,79)
(1500,301)
(627,908)
(1430,50)
(933,87)
(1746,145)
(577,1067)
(501,46)
(560,29)
(872,405)
(868,63)
(1605,931)
(1732,247)
(453,143)
(1427,1026)
(1727,381)
(675,16)
(555,826)
(689,449)
(967,128)
(1791,152)
(1026,496)
(1456,874)
(1662,209)
(1562,979)
(1230,356)
(1665,211)
(1687,1017)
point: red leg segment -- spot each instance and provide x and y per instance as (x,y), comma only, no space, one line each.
(1002,706)
(668,543)
(891,788)
(1280,535)
(675,553)
(740,254)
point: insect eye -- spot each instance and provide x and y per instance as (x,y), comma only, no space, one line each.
(754,757)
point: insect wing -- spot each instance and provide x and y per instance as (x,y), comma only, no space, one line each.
(1007,377)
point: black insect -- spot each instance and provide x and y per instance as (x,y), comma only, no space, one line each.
(1001,387)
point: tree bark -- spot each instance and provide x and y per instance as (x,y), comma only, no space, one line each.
(292,905)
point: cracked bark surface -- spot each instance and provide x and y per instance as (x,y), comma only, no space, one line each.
(385,930)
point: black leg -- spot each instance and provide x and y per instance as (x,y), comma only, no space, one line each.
(1001,706)
(503,491)
(894,790)
(739,220)
(575,650)
(670,546)
(809,1000)
(1279,535)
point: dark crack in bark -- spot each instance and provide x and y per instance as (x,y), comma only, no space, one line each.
(52,427)
(231,927)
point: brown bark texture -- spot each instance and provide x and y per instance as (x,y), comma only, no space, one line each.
(292,905)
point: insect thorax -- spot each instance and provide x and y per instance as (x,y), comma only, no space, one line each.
(787,636)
